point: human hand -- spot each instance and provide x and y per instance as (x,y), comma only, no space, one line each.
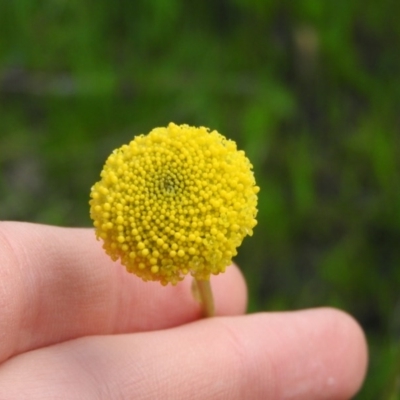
(74,325)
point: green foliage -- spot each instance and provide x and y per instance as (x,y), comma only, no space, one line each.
(310,89)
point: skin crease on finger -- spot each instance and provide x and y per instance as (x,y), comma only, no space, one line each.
(305,355)
(58,284)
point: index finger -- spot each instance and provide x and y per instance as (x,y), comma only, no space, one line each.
(57,284)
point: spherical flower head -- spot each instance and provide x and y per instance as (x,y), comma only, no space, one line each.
(179,200)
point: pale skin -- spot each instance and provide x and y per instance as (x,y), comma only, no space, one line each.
(75,325)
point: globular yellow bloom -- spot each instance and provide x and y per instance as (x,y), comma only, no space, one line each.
(179,200)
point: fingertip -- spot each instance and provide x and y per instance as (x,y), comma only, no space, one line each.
(308,353)
(348,337)
(337,354)
(230,292)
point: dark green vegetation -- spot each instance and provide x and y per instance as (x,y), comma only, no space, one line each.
(310,89)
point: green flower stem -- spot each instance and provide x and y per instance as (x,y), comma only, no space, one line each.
(206,297)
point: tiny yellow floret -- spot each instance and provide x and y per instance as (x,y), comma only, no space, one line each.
(179,200)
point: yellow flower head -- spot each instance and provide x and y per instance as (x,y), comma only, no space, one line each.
(179,200)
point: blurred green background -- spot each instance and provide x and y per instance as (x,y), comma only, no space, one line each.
(310,89)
